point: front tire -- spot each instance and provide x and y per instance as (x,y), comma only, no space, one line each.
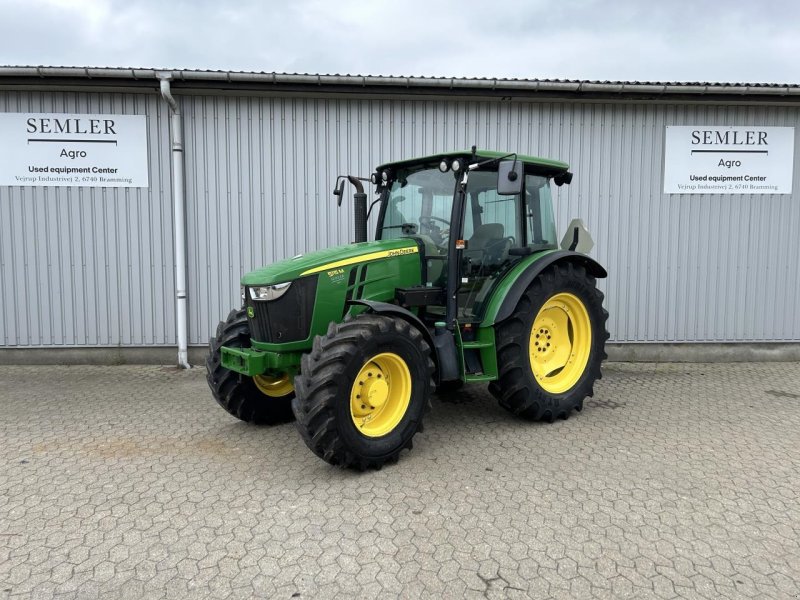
(363,390)
(259,400)
(549,351)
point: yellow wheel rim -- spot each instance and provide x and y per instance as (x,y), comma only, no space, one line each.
(560,343)
(274,387)
(380,394)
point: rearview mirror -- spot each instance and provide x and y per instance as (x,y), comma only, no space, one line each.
(509,178)
(339,191)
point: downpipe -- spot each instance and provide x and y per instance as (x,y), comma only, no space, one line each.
(179,209)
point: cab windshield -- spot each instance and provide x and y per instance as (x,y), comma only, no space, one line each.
(419,203)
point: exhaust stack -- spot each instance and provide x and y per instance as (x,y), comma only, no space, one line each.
(359,203)
(359,209)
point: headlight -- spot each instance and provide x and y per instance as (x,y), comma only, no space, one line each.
(456,164)
(385,176)
(374,178)
(269,292)
(444,166)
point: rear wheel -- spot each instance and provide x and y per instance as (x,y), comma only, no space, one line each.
(363,390)
(262,399)
(550,350)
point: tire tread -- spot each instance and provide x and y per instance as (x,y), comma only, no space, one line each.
(315,401)
(237,393)
(515,389)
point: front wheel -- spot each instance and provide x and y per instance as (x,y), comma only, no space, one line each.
(363,390)
(262,399)
(549,351)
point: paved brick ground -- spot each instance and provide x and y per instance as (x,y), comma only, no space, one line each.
(129,482)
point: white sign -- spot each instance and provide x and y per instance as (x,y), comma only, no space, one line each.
(73,150)
(706,159)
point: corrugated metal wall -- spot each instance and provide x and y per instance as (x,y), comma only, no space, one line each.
(89,266)
(683,268)
(259,175)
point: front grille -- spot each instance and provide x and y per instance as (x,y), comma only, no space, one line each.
(287,319)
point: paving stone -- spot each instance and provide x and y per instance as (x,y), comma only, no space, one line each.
(674,481)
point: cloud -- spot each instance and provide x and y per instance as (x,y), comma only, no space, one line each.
(587,39)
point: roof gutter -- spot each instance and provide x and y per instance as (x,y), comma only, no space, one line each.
(374,81)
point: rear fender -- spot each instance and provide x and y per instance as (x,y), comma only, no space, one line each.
(524,279)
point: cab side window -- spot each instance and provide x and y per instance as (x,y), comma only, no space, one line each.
(492,223)
(503,210)
(539,219)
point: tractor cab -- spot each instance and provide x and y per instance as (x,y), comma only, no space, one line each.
(474,215)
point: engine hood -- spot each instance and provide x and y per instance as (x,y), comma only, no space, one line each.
(328,260)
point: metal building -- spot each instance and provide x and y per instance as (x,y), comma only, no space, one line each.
(87,267)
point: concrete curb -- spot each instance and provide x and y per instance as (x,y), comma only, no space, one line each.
(167,355)
(704,353)
(154,355)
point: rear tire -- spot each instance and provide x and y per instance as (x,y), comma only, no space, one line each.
(524,386)
(385,359)
(239,394)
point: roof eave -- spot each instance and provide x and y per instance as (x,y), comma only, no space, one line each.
(190,79)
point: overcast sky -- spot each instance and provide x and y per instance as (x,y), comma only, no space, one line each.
(699,40)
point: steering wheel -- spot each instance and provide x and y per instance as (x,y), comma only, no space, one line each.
(427,221)
(438,235)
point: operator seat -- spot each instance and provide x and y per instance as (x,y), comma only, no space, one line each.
(487,246)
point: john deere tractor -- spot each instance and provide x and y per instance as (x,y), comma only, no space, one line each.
(464,283)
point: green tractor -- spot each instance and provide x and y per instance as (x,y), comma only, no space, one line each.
(465,282)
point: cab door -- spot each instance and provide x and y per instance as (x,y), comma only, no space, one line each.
(498,231)
(492,228)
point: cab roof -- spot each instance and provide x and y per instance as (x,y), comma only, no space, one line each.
(547,165)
